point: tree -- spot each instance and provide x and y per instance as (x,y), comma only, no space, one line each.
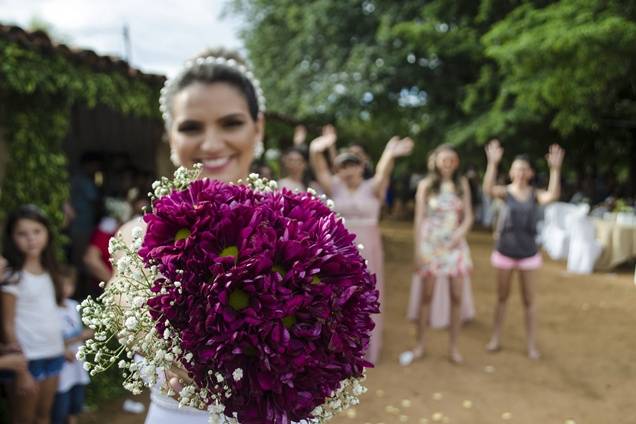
(533,72)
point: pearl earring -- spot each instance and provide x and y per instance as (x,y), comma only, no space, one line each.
(259,149)
(174,158)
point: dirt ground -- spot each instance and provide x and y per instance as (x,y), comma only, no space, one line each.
(587,335)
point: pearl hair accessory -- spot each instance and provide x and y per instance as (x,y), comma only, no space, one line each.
(210,61)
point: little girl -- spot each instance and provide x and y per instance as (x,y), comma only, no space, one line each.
(30,318)
(69,400)
(443,216)
(516,233)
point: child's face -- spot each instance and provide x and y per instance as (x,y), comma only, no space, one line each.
(446,162)
(30,237)
(520,171)
(68,287)
(294,163)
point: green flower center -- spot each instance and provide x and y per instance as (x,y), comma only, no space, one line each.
(182,234)
(239,300)
(230,251)
(289,320)
(315,280)
(279,269)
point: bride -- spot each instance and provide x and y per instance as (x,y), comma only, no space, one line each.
(213,114)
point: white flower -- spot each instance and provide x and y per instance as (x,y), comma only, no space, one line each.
(237,374)
(137,232)
(131,323)
(123,263)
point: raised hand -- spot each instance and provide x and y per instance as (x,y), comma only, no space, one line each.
(325,141)
(300,134)
(494,151)
(399,147)
(555,156)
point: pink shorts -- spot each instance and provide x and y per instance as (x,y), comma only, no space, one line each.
(526,264)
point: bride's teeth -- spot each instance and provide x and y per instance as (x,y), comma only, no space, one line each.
(214,162)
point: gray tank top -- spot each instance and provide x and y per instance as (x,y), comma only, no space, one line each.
(517,227)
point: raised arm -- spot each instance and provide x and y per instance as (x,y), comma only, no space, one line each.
(555,161)
(317,159)
(494,153)
(300,134)
(395,148)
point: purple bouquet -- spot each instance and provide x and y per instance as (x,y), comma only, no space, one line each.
(261,296)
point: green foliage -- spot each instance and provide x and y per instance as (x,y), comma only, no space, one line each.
(39,91)
(105,386)
(570,64)
(531,72)
(36,172)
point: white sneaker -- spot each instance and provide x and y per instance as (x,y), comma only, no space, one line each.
(406,358)
(133,407)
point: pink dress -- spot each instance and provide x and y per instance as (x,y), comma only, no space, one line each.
(361,211)
(443,215)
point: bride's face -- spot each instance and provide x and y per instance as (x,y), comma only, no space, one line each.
(212,125)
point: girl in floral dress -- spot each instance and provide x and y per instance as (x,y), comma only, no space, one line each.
(443,216)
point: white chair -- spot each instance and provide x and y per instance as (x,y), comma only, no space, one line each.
(554,235)
(584,249)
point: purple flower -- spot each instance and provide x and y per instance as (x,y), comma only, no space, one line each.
(271,283)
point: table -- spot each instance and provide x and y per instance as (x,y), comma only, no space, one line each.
(618,241)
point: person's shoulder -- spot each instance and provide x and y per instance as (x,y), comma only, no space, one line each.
(425,183)
(126,230)
(71,304)
(10,281)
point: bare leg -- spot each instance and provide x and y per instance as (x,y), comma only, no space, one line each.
(23,406)
(527,296)
(503,292)
(47,389)
(428,285)
(418,351)
(456,287)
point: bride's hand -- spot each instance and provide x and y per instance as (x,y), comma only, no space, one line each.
(176,378)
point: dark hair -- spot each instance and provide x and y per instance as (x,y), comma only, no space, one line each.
(434,175)
(525,158)
(209,73)
(295,149)
(16,258)
(346,158)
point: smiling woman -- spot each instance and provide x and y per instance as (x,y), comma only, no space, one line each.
(213,113)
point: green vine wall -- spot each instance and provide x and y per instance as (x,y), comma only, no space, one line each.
(38,92)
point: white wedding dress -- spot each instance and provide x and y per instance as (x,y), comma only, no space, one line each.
(165,410)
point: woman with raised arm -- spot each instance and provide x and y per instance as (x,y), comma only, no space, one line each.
(359,202)
(516,248)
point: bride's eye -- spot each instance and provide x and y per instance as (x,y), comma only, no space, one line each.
(189,127)
(232,123)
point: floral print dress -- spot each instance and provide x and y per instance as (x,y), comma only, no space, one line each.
(443,215)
